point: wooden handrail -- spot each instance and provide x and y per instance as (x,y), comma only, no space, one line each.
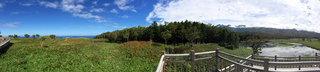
(6,41)
(238,66)
(248,60)
(183,55)
(161,63)
(288,57)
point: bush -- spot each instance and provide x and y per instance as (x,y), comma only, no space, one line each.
(140,49)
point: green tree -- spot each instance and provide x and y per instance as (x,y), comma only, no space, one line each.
(156,30)
(15,36)
(126,34)
(173,27)
(42,39)
(33,36)
(135,33)
(37,35)
(191,34)
(115,35)
(233,40)
(166,35)
(26,35)
(52,36)
(10,36)
(255,43)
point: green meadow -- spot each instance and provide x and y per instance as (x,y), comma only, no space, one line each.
(83,54)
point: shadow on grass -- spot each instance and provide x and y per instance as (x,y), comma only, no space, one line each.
(45,46)
(155,44)
(5,49)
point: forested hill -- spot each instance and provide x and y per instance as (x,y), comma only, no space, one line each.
(274,31)
(175,33)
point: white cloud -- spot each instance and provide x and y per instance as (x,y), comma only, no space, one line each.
(72,6)
(95,26)
(27,4)
(122,5)
(12,13)
(125,16)
(106,4)
(1,5)
(76,8)
(49,4)
(89,16)
(96,10)
(11,25)
(119,26)
(252,13)
(95,2)
(114,11)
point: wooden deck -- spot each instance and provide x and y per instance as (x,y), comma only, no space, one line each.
(4,42)
(224,62)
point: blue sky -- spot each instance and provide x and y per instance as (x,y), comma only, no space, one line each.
(71,17)
(93,17)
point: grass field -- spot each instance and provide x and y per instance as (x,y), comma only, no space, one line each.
(314,43)
(82,54)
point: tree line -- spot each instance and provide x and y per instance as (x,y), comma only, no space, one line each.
(176,33)
(25,35)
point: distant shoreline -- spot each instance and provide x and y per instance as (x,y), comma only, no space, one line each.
(61,37)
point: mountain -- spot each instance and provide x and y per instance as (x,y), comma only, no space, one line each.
(274,31)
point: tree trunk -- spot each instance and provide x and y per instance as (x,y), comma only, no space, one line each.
(165,41)
(136,38)
(191,44)
(150,40)
(41,44)
(127,39)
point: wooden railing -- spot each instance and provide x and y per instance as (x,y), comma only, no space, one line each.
(289,59)
(218,61)
(5,42)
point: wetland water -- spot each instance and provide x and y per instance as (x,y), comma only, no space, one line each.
(295,50)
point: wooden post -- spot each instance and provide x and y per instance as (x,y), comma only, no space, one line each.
(213,64)
(217,60)
(317,59)
(266,64)
(275,60)
(299,61)
(192,60)
(204,65)
(164,60)
(252,58)
(239,68)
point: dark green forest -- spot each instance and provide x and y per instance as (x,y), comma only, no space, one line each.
(175,33)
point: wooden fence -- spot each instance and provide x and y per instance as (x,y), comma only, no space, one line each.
(4,42)
(218,61)
(289,59)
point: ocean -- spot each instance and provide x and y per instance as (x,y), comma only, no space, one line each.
(60,37)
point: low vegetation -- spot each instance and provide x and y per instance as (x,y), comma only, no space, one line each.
(82,54)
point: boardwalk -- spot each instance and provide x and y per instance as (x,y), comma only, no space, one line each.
(217,61)
(288,69)
(4,42)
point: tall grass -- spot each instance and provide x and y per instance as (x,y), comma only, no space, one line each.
(77,54)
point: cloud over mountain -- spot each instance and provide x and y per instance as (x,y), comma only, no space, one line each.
(252,13)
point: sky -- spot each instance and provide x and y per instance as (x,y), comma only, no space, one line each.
(93,17)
